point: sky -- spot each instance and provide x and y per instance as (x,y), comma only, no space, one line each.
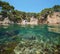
(32,5)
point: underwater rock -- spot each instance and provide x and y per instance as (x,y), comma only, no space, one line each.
(35,47)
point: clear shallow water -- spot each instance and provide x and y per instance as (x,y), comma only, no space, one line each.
(28,39)
(16,33)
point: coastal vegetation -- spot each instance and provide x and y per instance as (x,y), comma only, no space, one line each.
(7,10)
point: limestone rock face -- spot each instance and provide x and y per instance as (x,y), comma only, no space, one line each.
(54,18)
(6,21)
(33,21)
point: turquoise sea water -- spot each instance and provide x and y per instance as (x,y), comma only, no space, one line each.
(17,32)
(30,39)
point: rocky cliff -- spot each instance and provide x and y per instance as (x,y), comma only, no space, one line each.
(54,18)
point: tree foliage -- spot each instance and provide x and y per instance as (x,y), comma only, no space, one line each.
(8,10)
(56,8)
(6,6)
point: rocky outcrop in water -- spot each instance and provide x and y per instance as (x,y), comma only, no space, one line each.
(36,47)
